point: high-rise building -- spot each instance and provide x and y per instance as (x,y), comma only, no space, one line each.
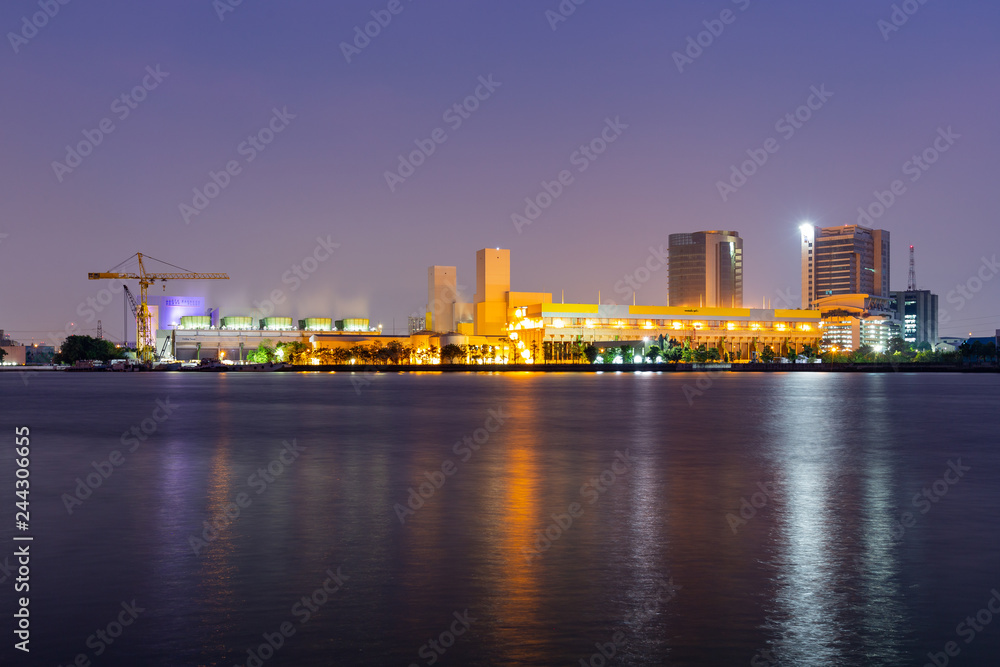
(849,259)
(706,270)
(917,312)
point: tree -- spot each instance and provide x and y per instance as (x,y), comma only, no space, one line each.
(701,354)
(590,352)
(450,351)
(265,353)
(767,354)
(923,346)
(396,352)
(359,354)
(87,348)
(295,352)
(653,354)
(675,352)
(899,345)
(3,353)
(808,351)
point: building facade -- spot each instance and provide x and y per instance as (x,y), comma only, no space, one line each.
(739,334)
(706,270)
(853,320)
(849,259)
(917,312)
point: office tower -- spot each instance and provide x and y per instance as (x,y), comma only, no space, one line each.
(849,259)
(917,312)
(706,270)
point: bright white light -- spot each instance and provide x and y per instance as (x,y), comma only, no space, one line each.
(637,359)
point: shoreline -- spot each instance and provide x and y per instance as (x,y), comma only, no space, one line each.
(910,367)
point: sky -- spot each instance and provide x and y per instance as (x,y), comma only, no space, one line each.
(623,122)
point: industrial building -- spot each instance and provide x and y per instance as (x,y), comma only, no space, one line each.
(529,327)
(236,335)
(501,325)
(706,270)
(16,354)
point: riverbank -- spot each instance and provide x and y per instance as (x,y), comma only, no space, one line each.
(911,367)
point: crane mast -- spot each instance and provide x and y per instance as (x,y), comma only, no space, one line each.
(144,335)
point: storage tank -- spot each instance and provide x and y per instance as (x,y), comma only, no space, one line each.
(237,322)
(454,339)
(418,341)
(316,324)
(353,324)
(196,322)
(276,323)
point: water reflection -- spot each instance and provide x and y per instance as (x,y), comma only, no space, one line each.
(808,451)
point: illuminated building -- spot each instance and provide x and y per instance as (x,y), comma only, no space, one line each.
(843,260)
(853,320)
(917,310)
(706,270)
(738,333)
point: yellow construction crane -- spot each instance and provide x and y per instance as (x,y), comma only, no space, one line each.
(144,336)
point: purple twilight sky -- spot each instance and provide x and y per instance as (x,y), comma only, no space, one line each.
(555,84)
